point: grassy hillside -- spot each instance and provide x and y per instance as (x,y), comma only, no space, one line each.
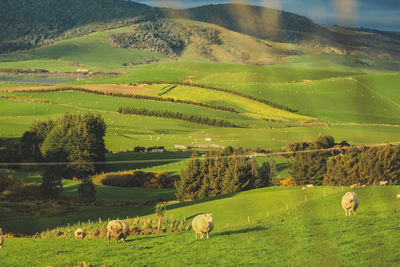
(316,232)
(93,51)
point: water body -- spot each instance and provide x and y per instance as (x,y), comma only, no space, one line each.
(36,79)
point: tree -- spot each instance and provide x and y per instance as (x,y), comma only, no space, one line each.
(160,212)
(190,180)
(6,178)
(308,167)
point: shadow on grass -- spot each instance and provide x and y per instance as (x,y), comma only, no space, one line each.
(241,231)
(189,203)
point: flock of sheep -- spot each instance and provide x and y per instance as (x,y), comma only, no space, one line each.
(119,230)
(203,224)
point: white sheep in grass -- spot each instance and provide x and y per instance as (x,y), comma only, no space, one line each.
(350,201)
(118,230)
(80,233)
(203,224)
(309,185)
(383,183)
(353,186)
(1,237)
(398,196)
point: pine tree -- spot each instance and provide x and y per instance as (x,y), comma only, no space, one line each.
(190,181)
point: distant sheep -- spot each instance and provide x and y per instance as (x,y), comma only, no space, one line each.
(80,233)
(382,183)
(398,196)
(364,186)
(118,230)
(1,237)
(303,188)
(350,201)
(309,185)
(353,186)
(203,224)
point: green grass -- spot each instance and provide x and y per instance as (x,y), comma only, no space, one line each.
(315,233)
(93,51)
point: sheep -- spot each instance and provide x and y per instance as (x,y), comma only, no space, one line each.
(303,188)
(364,186)
(350,201)
(1,237)
(203,224)
(117,229)
(309,185)
(353,186)
(80,233)
(398,196)
(382,183)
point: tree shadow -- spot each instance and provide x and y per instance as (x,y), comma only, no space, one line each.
(241,231)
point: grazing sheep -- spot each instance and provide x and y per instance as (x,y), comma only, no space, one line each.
(350,201)
(309,185)
(353,186)
(117,229)
(382,183)
(398,196)
(364,186)
(303,188)
(203,224)
(1,237)
(80,233)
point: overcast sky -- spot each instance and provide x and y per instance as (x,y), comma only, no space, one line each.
(378,14)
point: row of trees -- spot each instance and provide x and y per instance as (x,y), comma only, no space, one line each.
(338,164)
(134,96)
(221,172)
(176,115)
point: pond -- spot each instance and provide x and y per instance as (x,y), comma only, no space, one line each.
(36,79)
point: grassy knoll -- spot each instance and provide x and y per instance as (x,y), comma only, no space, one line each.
(312,233)
(93,51)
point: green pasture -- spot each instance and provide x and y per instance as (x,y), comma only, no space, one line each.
(252,227)
(93,51)
(127,131)
(247,106)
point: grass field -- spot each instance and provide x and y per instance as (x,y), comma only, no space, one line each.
(93,51)
(316,231)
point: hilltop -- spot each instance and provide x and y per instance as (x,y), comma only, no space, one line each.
(29,24)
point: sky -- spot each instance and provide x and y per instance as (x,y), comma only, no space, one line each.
(375,14)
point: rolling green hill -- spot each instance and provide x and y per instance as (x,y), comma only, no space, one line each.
(308,233)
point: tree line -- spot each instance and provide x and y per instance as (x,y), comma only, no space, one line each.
(176,115)
(132,96)
(232,92)
(342,164)
(222,171)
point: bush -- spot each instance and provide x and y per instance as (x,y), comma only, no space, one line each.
(287,182)
(22,191)
(86,190)
(136,179)
(6,178)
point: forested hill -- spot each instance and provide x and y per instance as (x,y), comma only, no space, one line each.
(280,26)
(27,24)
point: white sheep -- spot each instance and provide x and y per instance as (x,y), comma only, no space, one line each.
(1,237)
(382,183)
(309,185)
(353,186)
(303,188)
(350,201)
(80,233)
(117,229)
(364,186)
(398,196)
(203,224)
